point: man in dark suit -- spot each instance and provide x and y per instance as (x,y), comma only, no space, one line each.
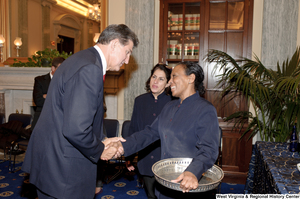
(40,89)
(67,141)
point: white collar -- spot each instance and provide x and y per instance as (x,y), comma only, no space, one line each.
(104,63)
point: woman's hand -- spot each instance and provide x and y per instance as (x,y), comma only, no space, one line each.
(188,181)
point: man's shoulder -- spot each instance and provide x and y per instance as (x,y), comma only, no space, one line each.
(42,77)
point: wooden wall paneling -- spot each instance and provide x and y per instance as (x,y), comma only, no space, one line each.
(232,106)
(230,150)
(112,82)
(236,152)
(213,97)
(235,44)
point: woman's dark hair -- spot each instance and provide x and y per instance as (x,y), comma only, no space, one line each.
(196,69)
(120,32)
(167,72)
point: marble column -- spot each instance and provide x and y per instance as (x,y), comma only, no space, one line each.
(279,32)
(46,7)
(139,16)
(23,26)
(2,103)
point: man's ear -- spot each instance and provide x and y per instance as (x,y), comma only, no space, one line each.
(113,43)
(191,78)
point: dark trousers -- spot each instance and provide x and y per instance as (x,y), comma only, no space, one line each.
(100,173)
(42,195)
(149,182)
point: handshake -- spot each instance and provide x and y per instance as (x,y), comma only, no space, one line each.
(113,148)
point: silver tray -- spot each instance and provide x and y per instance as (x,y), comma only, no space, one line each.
(169,169)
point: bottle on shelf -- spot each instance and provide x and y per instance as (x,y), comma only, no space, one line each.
(180,22)
(172,49)
(196,51)
(188,22)
(174,25)
(186,51)
(179,51)
(197,21)
(294,140)
(191,51)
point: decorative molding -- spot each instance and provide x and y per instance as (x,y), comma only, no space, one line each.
(48,3)
(68,20)
(70,26)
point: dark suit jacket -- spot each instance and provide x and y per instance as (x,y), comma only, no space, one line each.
(66,143)
(41,84)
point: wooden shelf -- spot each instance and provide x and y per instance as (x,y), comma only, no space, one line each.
(111,84)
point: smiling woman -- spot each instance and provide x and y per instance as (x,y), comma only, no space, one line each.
(187,128)
(186,79)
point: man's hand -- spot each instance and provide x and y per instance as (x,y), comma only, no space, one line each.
(107,141)
(113,148)
(109,152)
(188,181)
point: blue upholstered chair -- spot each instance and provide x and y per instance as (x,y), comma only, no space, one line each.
(111,127)
(125,128)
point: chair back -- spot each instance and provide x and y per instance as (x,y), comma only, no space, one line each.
(24,118)
(111,127)
(2,118)
(125,128)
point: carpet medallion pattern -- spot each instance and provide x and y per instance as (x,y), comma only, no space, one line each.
(15,185)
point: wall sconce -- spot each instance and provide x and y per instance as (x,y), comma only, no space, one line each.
(18,43)
(2,40)
(96,37)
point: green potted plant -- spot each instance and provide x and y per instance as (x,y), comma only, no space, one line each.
(41,58)
(273,93)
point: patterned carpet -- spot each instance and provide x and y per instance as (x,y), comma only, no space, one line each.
(16,185)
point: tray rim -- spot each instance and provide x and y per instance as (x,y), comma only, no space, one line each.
(190,160)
